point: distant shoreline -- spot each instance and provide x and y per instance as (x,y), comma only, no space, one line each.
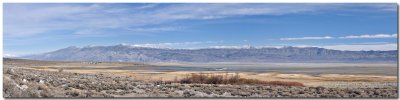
(269,64)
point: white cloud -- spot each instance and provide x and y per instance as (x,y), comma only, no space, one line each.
(370,43)
(357,46)
(155,29)
(148,6)
(308,38)
(370,36)
(231,47)
(23,20)
(9,55)
(345,37)
(170,44)
(382,47)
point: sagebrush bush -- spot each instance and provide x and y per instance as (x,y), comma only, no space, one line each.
(282,83)
(13,88)
(227,79)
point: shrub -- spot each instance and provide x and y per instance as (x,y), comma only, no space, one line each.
(235,79)
(282,83)
(10,89)
(214,79)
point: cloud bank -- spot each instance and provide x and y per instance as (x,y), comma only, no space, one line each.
(381,47)
(370,36)
(24,20)
(345,37)
(308,38)
(171,44)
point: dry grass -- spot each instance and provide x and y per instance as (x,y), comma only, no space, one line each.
(231,79)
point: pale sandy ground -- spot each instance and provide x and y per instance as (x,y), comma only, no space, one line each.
(308,80)
(278,64)
(141,73)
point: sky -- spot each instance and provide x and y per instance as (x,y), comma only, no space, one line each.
(43,27)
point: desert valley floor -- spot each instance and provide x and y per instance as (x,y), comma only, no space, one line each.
(29,78)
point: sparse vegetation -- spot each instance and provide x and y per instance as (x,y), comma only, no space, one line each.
(18,88)
(23,82)
(231,79)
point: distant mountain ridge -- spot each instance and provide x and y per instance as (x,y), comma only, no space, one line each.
(128,53)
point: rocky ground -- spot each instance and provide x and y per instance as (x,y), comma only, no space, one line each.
(19,82)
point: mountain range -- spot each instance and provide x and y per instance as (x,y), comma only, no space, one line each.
(126,53)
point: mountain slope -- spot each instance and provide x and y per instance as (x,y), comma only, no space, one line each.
(259,55)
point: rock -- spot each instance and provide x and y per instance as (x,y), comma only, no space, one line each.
(24,80)
(41,82)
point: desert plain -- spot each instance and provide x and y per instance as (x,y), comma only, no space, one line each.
(138,79)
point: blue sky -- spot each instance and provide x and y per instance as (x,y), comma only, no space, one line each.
(37,28)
